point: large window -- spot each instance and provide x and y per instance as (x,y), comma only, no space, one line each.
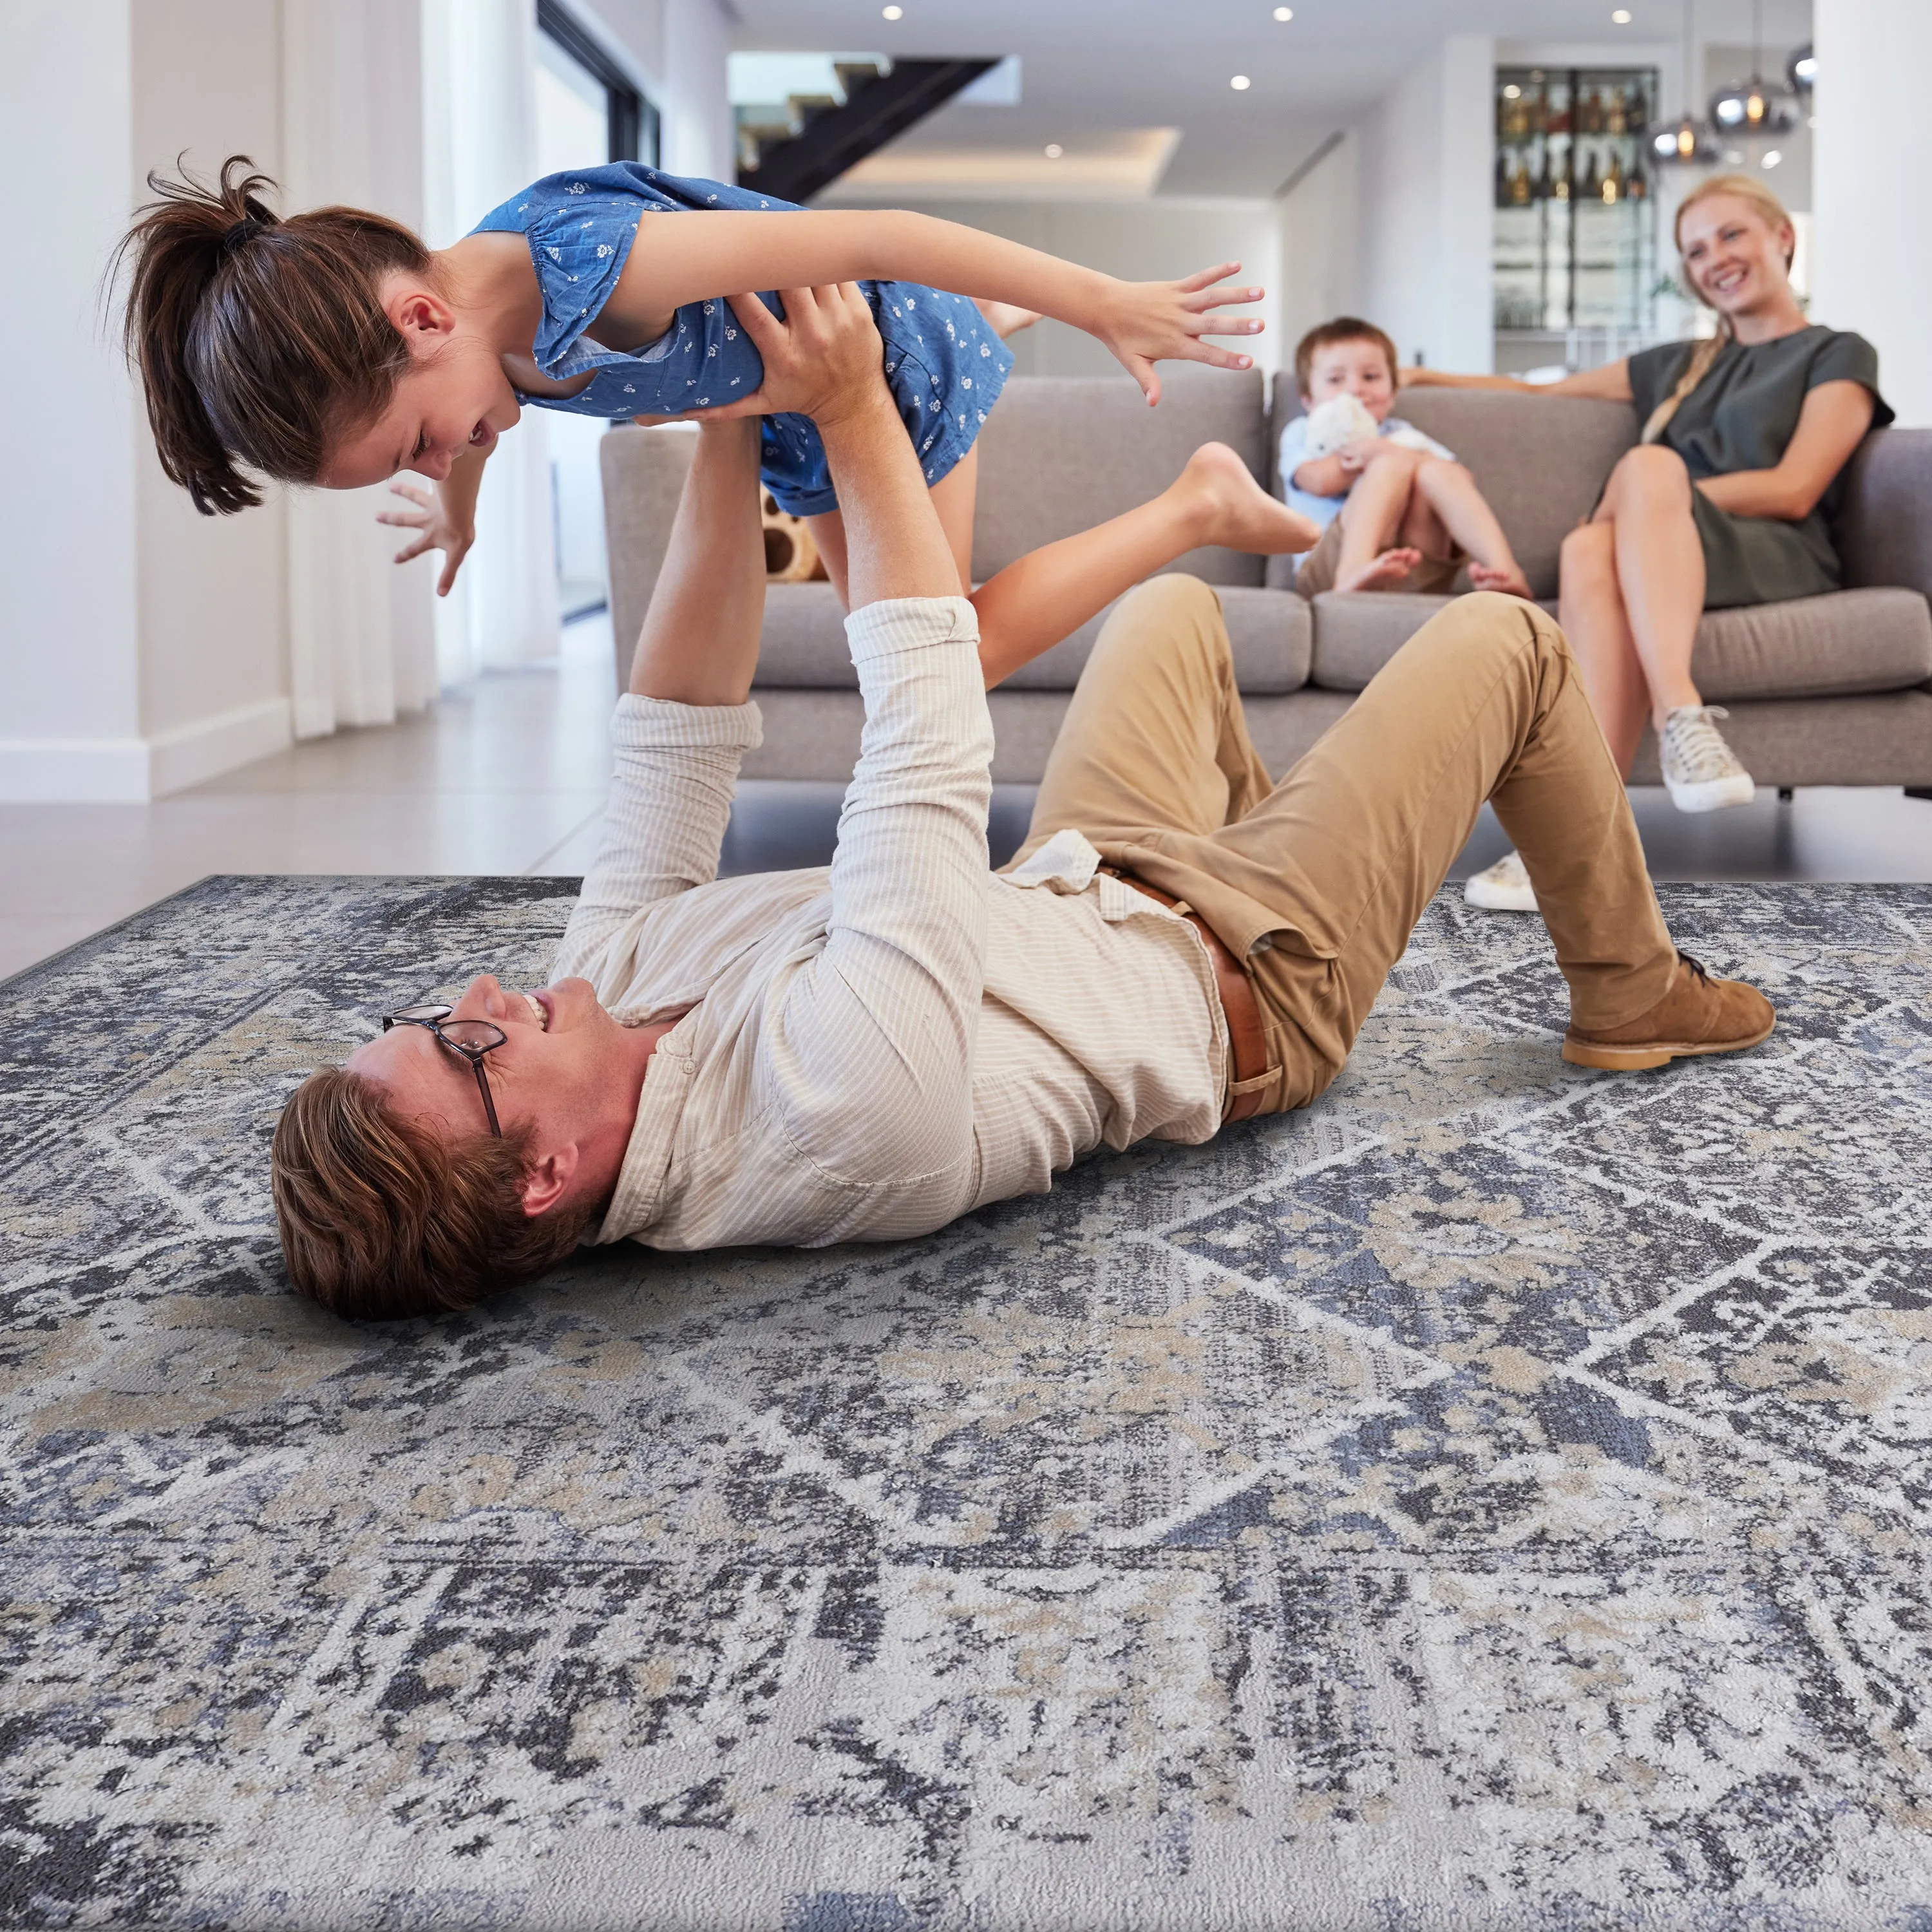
(587,110)
(574,61)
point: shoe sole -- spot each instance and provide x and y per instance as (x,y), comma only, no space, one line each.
(1487,900)
(1653,1053)
(1713,795)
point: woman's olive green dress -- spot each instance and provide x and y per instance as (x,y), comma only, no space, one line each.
(1742,416)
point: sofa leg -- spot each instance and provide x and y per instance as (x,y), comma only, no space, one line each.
(1919,791)
(1785,794)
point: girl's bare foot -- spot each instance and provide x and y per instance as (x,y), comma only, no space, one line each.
(1235,511)
(1510,583)
(1381,573)
(1007,318)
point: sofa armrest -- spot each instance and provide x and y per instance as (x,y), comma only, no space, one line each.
(1885,528)
(644,472)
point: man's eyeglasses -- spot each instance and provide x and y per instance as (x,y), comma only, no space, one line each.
(469,1039)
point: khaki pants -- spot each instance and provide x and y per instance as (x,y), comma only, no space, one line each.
(1316,883)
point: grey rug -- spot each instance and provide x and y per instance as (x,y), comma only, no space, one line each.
(1496,1498)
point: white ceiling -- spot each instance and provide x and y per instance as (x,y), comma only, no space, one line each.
(1091,66)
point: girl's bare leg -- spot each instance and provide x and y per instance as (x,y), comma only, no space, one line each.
(1049,593)
(1590,608)
(1660,566)
(953,497)
(1451,491)
(1007,319)
(828,532)
(1372,519)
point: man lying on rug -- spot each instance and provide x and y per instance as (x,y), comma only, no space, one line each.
(865,1054)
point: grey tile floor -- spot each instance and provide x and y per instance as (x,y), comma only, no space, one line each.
(507,776)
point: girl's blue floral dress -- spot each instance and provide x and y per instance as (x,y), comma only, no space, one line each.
(945,365)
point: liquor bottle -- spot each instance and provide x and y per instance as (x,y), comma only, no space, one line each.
(1612,187)
(1637,188)
(1519,183)
(1615,121)
(1562,184)
(1590,114)
(1545,186)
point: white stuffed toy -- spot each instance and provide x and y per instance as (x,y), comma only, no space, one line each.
(1342,420)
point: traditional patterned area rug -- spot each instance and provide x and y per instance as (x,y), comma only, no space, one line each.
(1496,1498)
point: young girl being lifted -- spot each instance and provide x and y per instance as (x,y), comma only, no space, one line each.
(333,348)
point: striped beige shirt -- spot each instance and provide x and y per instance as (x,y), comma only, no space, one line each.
(875,1047)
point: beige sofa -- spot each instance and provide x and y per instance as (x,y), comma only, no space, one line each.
(1834,690)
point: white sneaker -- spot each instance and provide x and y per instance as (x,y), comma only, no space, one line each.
(1502,887)
(1701,769)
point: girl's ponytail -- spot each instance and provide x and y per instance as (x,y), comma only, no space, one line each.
(259,341)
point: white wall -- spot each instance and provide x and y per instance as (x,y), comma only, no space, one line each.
(68,556)
(677,50)
(144,647)
(1427,153)
(1873,271)
(1323,247)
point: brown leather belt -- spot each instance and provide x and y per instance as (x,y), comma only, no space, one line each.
(1247,1038)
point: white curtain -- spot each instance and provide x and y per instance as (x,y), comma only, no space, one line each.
(478,68)
(362,635)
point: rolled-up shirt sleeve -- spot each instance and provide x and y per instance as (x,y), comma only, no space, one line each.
(871,1051)
(677,771)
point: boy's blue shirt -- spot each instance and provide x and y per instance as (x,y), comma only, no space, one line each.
(944,364)
(1324,510)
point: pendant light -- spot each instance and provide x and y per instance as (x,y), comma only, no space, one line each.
(1750,107)
(1802,70)
(1686,139)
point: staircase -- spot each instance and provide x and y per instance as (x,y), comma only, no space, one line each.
(824,136)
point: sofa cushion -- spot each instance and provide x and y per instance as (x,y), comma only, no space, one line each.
(804,646)
(1271,632)
(1358,632)
(1063,453)
(1540,460)
(1831,647)
(1835,646)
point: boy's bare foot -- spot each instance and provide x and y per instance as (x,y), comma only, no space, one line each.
(1235,511)
(1007,318)
(1510,583)
(1381,573)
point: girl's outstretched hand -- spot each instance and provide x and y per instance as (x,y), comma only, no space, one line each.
(1145,323)
(435,528)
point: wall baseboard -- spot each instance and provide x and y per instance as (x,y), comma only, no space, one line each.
(130,771)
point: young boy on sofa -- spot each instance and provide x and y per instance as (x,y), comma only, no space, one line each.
(1398,511)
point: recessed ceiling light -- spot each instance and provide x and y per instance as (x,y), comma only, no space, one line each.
(893,12)
(1284,14)
(1054,150)
(1621,18)
(1240,83)
(1771,160)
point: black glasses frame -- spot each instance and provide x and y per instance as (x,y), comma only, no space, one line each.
(430,1019)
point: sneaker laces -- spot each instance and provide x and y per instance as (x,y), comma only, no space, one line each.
(1695,746)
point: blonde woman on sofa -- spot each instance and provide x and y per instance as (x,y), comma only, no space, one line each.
(1728,498)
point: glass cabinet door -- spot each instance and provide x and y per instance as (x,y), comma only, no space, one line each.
(1575,227)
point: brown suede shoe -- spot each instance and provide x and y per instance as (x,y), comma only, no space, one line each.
(1698,1014)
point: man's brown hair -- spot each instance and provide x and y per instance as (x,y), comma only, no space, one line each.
(1325,335)
(381,1219)
(259,341)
